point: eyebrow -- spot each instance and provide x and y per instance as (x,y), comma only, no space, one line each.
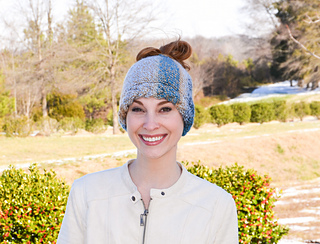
(159,104)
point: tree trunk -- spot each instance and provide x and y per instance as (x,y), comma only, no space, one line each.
(114,101)
(44,104)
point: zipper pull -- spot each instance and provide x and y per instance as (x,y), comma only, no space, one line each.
(143,217)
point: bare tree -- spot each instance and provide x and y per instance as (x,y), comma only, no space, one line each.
(121,22)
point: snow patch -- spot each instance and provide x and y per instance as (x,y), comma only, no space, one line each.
(296,220)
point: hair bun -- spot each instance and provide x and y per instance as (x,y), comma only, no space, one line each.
(177,50)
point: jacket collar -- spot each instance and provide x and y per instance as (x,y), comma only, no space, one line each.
(173,190)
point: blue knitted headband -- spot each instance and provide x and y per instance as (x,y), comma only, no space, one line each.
(159,77)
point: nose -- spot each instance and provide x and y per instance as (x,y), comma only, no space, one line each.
(151,122)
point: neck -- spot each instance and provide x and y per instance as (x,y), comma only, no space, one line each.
(154,173)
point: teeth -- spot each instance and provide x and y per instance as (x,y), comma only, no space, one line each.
(152,139)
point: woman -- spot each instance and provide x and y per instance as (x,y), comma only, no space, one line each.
(153,198)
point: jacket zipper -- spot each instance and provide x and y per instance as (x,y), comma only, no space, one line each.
(143,220)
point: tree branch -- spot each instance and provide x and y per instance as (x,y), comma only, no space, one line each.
(301,45)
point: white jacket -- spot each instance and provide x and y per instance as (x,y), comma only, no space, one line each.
(106,207)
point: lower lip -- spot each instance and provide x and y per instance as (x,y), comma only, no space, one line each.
(153,143)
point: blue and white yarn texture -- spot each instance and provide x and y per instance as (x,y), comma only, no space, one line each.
(159,77)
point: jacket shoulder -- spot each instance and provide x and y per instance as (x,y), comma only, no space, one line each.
(101,184)
(206,194)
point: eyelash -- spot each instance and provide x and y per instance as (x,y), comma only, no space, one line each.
(164,109)
(135,109)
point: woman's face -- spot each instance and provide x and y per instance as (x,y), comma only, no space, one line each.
(154,126)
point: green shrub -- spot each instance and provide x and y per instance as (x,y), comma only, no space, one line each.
(201,116)
(315,108)
(110,117)
(95,125)
(280,110)
(301,109)
(241,113)
(6,105)
(71,124)
(36,114)
(31,206)
(221,114)
(61,105)
(20,126)
(254,200)
(261,112)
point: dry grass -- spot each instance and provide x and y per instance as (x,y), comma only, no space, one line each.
(288,152)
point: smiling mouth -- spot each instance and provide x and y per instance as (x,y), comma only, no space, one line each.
(152,138)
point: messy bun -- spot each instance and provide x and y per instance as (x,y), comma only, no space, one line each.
(177,50)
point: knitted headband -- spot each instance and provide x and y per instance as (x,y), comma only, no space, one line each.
(159,77)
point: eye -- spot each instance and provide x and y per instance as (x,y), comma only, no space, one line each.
(136,109)
(165,109)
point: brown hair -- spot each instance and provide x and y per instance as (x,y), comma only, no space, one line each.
(177,50)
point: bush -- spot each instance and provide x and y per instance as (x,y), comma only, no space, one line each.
(6,105)
(95,125)
(201,116)
(20,126)
(261,112)
(31,206)
(280,110)
(301,110)
(315,108)
(241,113)
(61,105)
(221,114)
(71,124)
(254,200)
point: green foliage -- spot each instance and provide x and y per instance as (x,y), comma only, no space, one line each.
(301,109)
(221,114)
(6,102)
(315,108)
(6,105)
(61,105)
(261,112)
(241,113)
(254,200)
(20,126)
(95,125)
(94,103)
(201,116)
(36,114)
(71,124)
(280,110)
(31,206)
(110,117)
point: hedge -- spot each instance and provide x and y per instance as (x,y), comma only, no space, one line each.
(221,114)
(32,206)
(241,113)
(261,112)
(280,110)
(201,117)
(301,109)
(315,108)
(254,199)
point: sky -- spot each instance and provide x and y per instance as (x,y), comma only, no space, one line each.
(208,18)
